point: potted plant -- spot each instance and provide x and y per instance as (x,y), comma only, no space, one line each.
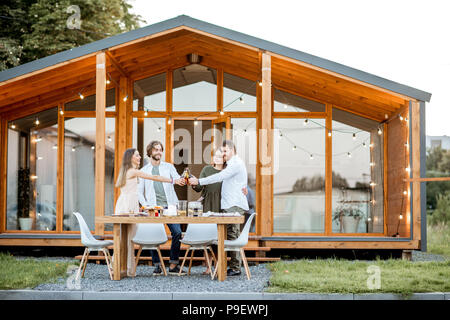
(348,214)
(23,199)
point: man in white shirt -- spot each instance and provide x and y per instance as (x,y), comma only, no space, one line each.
(234,178)
(153,193)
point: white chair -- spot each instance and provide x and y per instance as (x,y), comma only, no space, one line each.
(150,236)
(199,237)
(92,244)
(239,244)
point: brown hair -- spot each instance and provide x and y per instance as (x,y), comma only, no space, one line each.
(229,144)
(212,158)
(152,145)
(126,165)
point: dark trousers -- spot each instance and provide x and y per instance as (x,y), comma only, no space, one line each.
(175,230)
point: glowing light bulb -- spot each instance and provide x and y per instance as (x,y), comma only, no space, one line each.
(125,98)
(195,122)
(37,121)
(145,113)
(222,113)
(13,126)
(379,131)
(81,96)
(354,136)
(305,122)
(169,121)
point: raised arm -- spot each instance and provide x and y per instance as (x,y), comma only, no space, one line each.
(229,171)
(197,187)
(143,175)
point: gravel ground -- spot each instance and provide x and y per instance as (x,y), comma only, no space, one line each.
(96,278)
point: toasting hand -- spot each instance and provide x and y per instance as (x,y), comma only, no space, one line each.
(180,182)
(193,181)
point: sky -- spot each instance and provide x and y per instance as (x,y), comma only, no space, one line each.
(403,41)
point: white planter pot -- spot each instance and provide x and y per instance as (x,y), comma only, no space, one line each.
(25,223)
(350,224)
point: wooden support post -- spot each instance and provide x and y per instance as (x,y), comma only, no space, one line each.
(415,145)
(328,170)
(60,173)
(3,163)
(407,255)
(100,109)
(169,124)
(265,155)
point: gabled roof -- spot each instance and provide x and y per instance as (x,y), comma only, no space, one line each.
(187,21)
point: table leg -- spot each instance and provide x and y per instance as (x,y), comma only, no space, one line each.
(117,252)
(221,255)
(123,250)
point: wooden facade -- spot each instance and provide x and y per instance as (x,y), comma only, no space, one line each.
(120,65)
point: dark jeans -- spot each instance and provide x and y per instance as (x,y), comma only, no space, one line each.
(175,230)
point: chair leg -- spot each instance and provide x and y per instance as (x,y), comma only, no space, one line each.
(138,256)
(207,260)
(110,262)
(81,263)
(184,260)
(244,260)
(162,262)
(85,263)
(215,272)
(213,256)
(104,250)
(190,262)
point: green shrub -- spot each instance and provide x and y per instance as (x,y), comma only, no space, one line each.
(442,212)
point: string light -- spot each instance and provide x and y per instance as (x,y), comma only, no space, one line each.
(40,158)
(73,149)
(125,98)
(354,136)
(146,113)
(37,121)
(159,129)
(294,148)
(379,131)
(55,147)
(329,133)
(93,147)
(109,138)
(81,96)
(285,106)
(364,145)
(38,139)
(241,99)
(108,82)
(169,121)
(61,112)
(305,122)
(372,184)
(405,192)
(408,169)
(400,117)
(13,126)
(400,216)
(222,113)
(349,154)
(260,83)
(372,164)
(195,122)
(311,157)
(245,132)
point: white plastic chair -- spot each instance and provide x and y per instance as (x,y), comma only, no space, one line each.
(92,244)
(150,236)
(199,237)
(239,244)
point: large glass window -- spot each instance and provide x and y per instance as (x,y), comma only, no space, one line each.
(31,176)
(357,174)
(146,130)
(299,176)
(88,103)
(150,93)
(239,94)
(286,102)
(245,139)
(79,170)
(194,88)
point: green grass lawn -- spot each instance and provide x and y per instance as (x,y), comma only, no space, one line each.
(439,239)
(344,276)
(28,273)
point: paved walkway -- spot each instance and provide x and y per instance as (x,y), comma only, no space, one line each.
(119,295)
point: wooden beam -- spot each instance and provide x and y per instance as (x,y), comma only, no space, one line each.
(413,244)
(219,89)
(340,76)
(100,107)
(116,64)
(169,120)
(266,153)
(415,145)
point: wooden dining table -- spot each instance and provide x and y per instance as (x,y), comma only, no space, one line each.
(120,234)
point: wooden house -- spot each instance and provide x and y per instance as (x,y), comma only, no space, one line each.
(334,155)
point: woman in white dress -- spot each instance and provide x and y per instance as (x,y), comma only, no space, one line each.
(128,201)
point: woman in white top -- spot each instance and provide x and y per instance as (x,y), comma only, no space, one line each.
(128,201)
